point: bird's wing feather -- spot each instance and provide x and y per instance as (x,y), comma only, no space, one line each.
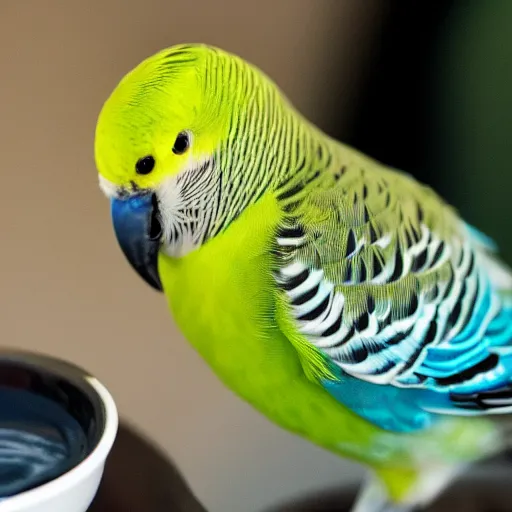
(405,302)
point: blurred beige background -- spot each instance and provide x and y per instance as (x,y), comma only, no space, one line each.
(65,287)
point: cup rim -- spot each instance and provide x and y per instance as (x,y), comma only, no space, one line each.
(87,466)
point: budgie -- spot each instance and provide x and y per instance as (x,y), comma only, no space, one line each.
(341,298)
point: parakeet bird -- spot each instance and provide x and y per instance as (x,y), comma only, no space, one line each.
(344,300)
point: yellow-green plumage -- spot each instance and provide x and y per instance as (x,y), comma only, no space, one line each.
(261,192)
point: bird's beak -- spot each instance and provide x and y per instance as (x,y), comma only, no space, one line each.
(138,231)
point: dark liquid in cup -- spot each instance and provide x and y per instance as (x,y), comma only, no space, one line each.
(39,440)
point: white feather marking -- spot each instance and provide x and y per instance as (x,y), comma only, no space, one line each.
(372,328)
(467,412)
(327,342)
(315,276)
(406,262)
(107,187)
(192,189)
(338,302)
(386,272)
(471,284)
(399,354)
(383,241)
(293,270)
(324,290)
(290,242)
(382,378)
(422,243)
(383,309)
(318,320)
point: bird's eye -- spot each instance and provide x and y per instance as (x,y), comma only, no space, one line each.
(182,143)
(145,165)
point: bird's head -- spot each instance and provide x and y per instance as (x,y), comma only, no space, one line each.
(171,137)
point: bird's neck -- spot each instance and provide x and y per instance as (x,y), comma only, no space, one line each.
(222,296)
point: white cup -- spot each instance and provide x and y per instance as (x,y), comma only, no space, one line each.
(85,399)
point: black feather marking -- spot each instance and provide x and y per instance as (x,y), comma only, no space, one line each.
(365,191)
(416,234)
(290,192)
(362,322)
(421,378)
(432,293)
(471,308)
(471,264)
(362,273)
(295,281)
(329,160)
(419,261)
(384,321)
(413,305)
(449,285)
(408,239)
(483,366)
(359,354)
(469,402)
(340,173)
(384,368)
(304,297)
(313,177)
(291,207)
(455,312)
(333,328)
(316,312)
(461,257)
(370,304)
(366,215)
(377,265)
(351,243)
(497,394)
(438,254)
(348,336)
(348,272)
(431,333)
(176,53)
(427,339)
(292,232)
(397,272)
(419,212)
(373,234)
(399,337)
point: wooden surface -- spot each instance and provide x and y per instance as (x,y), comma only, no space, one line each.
(138,478)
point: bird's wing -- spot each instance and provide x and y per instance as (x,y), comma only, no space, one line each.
(398,307)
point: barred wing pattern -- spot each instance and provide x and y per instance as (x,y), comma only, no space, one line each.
(406,302)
